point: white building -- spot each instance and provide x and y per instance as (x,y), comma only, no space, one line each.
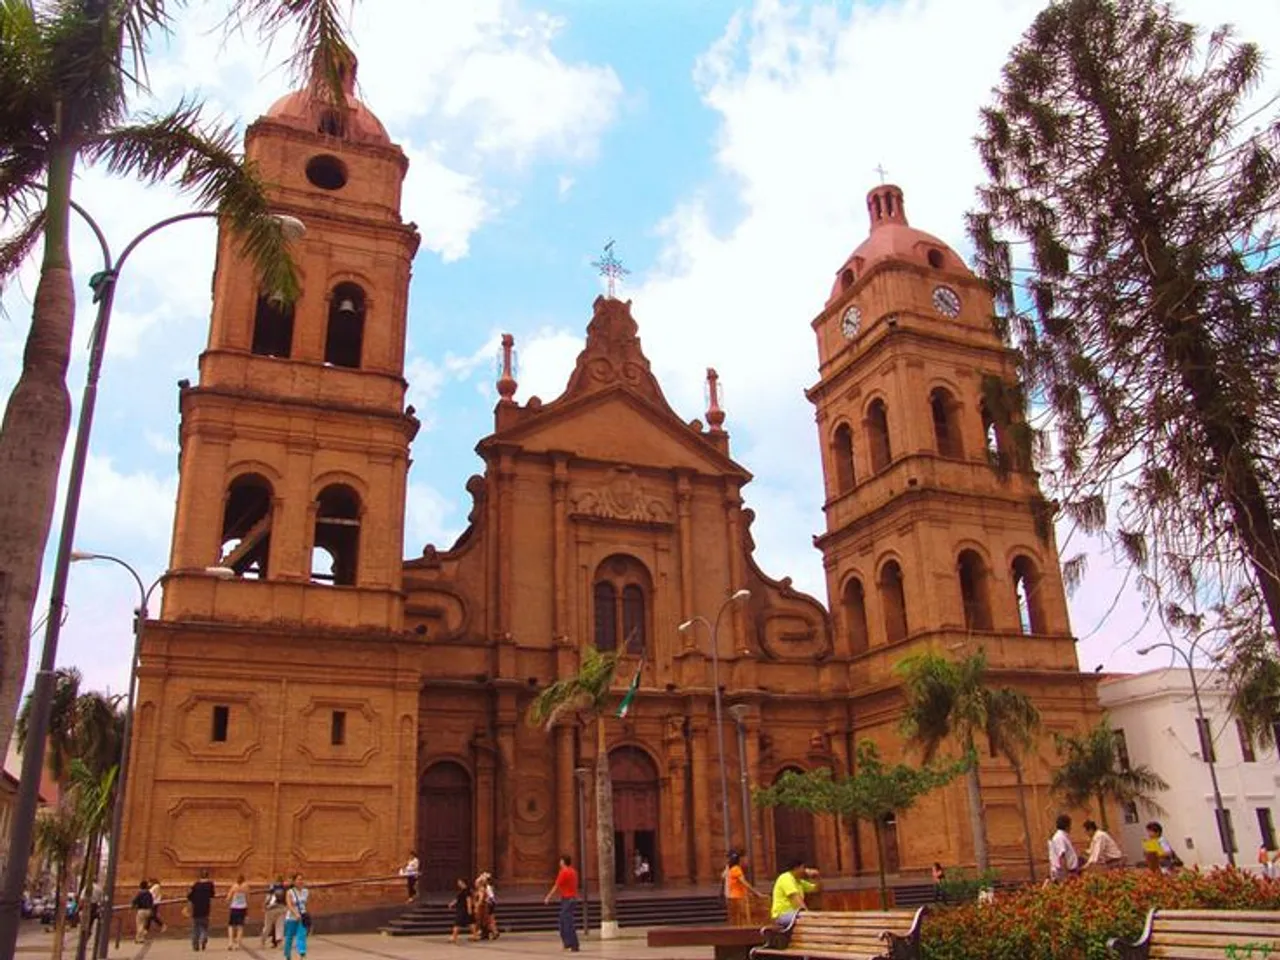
(1154,717)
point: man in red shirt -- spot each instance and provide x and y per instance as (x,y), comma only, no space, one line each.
(566,888)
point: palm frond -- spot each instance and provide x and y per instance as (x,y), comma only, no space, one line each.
(135,19)
(15,248)
(585,692)
(321,50)
(26,91)
(205,164)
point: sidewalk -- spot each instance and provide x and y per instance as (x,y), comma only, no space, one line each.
(34,943)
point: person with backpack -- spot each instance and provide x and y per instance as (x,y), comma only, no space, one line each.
(143,904)
(273,911)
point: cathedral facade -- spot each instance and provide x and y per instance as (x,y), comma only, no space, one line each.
(310,700)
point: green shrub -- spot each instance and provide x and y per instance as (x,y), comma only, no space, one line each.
(1073,921)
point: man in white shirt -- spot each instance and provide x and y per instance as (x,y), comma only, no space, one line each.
(1064,862)
(1104,852)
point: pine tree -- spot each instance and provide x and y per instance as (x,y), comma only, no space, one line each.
(1128,233)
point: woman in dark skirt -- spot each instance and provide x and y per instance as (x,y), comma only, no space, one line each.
(461,909)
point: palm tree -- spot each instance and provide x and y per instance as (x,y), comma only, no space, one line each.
(67,68)
(57,838)
(1013,734)
(585,697)
(62,723)
(1092,769)
(950,698)
(95,801)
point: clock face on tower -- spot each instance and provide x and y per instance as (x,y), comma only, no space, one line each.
(851,323)
(946,301)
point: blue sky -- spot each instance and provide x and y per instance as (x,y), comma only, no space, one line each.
(727,147)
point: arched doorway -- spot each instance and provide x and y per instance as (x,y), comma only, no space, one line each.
(444,825)
(635,813)
(792,834)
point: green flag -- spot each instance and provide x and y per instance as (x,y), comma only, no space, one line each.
(625,706)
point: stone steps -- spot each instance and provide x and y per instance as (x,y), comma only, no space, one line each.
(437,918)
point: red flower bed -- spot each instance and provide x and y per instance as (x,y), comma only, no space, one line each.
(1073,921)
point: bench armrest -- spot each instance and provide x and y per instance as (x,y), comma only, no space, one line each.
(1140,949)
(906,946)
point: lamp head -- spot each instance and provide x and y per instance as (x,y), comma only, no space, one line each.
(79,555)
(685,627)
(292,228)
(742,594)
(222,573)
(1143,651)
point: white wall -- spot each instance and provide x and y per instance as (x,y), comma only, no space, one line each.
(1157,713)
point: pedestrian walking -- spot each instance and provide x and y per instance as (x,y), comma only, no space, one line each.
(297,918)
(566,888)
(410,873)
(157,895)
(237,910)
(142,907)
(273,912)
(462,906)
(200,901)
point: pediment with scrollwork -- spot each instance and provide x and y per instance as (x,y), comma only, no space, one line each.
(622,498)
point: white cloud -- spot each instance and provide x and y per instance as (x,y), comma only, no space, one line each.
(447,206)
(430,518)
(563,185)
(810,100)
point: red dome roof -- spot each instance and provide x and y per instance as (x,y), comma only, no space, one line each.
(892,238)
(308,109)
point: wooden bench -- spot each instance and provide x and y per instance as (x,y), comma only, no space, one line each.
(1205,935)
(847,935)
(730,943)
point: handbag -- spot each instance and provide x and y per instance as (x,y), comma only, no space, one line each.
(304,916)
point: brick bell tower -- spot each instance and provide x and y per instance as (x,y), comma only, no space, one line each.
(295,442)
(934,541)
(275,721)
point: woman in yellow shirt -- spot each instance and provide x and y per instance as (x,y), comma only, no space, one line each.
(789,890)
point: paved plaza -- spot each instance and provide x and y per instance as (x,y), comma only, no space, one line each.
(33,943)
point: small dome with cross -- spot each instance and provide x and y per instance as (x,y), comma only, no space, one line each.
(892,238)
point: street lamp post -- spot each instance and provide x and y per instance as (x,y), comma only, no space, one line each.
(714,629)
(740,712)
(581,774)
(1224,835)
(27,800)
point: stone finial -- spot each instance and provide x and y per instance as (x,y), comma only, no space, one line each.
(715,416)
(507,382)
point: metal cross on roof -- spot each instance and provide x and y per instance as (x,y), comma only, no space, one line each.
(610,267)
(879,168)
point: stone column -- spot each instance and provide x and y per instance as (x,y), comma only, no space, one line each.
(485,801)
(703,869)
(674,846)
(684,502)
(293,530)
(560,543)
(505,537)
(505,808)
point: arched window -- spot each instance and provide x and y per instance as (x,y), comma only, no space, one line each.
(606,602)
(946,424)
(272,328)
(336,553)
(878,434)
(246,527)
(842,457)
(344,340)
(855,616)
(621,598)
(893,602)
(1026,588)
(974,591)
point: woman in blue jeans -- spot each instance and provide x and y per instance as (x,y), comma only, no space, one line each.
(296,920)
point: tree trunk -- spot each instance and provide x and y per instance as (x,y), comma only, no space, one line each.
(60,910)
(32,437)
(89,877)
(977,823)
(1102,812)
(1026,820)
(878,828)
(604,835)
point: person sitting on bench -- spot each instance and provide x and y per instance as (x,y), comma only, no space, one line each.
(789,890)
